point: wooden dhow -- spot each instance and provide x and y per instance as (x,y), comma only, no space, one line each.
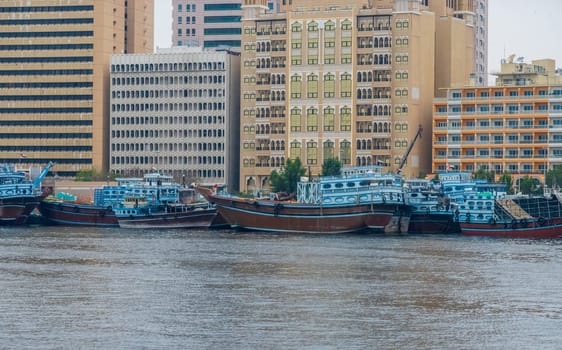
(19,195)
(360,199)
(483,214)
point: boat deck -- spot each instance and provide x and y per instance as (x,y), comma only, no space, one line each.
(513,209)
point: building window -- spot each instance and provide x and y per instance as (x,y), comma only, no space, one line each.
(295,119)
(345,85)
(312,119)
(329,59)
(312,86)
(329,118)
(345,119)
(311,153)
(345,58)
(295,150)
(345,152)
(328,150)
(329,85)
(313,27)
(296,86)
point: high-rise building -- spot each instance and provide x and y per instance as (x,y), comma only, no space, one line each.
(209,24)
(352,80)
(176,111)
(481,42)
(513,127)
(54,81)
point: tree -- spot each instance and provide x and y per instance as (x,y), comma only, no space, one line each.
(92,175)
(331,167)
(482,174)
(506,179)
(554,177)
(530,185)
(286,180)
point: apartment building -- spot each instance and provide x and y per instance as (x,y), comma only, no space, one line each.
(176,111)
(352,80)
(514,126)
(480,42)
(54,64)
(209,24)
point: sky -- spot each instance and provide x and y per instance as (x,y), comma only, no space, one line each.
(526,28)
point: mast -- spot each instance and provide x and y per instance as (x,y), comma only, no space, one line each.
(405,157)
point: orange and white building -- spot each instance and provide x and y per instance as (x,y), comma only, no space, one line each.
(513,127)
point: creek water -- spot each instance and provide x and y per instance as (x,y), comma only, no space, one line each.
(87,288)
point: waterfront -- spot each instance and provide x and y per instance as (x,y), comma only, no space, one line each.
(82,288)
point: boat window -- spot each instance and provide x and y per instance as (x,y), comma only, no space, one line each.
(339,185)
(364,183)
(351,184)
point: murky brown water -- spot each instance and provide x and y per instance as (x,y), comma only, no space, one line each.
(117,289)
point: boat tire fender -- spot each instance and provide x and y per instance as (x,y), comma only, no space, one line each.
(541,221)
(514,223)
(492,221)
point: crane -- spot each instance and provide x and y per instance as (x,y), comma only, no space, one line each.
(405,157)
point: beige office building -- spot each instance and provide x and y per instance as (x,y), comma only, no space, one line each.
(513,127)
(54,81)
(176,111)
(351,80)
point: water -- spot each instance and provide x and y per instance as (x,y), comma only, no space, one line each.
(80,288)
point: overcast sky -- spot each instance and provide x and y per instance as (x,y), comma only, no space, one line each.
(521,27)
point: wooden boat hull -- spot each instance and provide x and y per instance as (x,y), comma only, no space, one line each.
(197,218)
(551,228)
(16,210)
(73,214)
(433,223)
(273,216)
